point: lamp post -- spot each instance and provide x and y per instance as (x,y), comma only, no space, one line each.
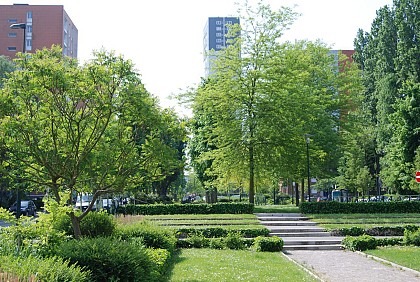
(19,26)
(309,170)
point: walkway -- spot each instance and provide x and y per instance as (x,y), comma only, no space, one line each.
(314,249)
(347,266)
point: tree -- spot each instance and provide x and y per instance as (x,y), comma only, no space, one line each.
(64,125)
(253,112)
(389,57)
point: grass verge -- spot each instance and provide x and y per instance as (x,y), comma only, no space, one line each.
(230,265)
(407,256)
(276,209)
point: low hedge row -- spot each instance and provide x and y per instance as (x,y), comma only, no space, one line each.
(367,242)
(156,209)
(235,242)
(331,207)
(374,231)
(218,232)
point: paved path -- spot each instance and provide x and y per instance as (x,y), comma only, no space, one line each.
(347,266)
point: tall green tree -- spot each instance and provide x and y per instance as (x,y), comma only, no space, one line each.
(389,57)
(64,126)
(261,101)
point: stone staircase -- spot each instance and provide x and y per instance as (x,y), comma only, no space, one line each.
(298,233)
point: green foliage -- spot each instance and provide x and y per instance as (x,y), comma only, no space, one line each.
(160,259)
(360,243)
(94,224)
(52,269)
(152,236)
(108,259)
(268,244)
(331,207)
(412,237)
(218,232)
(382,242)
(352,231)
(374,231)
(218,208)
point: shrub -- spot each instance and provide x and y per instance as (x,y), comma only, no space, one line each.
(218,208)
(197,241)
(412,237)
(94,224)
(109,259)
(382,242)
(49,269)
(152,236)
(363,207)
(218,232)
(216,243)
(352,231)
(234,241)
(268,244)
(160,259)
(360,243)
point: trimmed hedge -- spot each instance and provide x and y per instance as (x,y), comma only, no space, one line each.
(268,244)
(367,242)
(374,231)
(218,232)
(363,207)
(156,209)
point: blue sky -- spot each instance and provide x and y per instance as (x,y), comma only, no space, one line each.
(164,38)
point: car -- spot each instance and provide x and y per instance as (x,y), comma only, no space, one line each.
(27,208)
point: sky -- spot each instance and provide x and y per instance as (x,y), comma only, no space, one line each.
(164,38)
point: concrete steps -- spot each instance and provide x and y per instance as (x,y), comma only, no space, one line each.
(298,233)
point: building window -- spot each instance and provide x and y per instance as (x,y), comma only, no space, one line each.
(29,15)
(218,46)
(218,34)
(218,22)
(218,40)
(29,43)
(12,34)
(12,20)
(11,48)
(229,22)
(218,28)
(29,28)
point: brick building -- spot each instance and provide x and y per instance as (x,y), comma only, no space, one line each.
(44,25)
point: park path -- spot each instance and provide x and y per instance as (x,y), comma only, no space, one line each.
(347,266)
(321,254)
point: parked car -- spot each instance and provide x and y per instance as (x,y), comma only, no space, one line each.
(27,208)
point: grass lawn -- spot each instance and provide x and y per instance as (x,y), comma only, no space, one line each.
(407,256)
(231,265)
(276,209)
(332,221)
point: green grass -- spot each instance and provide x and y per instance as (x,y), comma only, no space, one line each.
(231,265)
(179,222)
(199,216)
(276,209)
(333,221)
(407,256)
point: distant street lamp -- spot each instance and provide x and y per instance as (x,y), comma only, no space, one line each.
(309,170)
(21,26)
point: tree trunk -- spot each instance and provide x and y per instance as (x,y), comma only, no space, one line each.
(251,175)
(75,222)
(302,196)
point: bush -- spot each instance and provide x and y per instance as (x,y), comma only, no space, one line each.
(109,259)
(234,241)
(374,231)
(37,269)
(94,224)
(352,231)
(360,243)
(151,235)
(382,242)
(412,237)
(219,232)
(268,244)
(218,208)
(160,259)
(363,207)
